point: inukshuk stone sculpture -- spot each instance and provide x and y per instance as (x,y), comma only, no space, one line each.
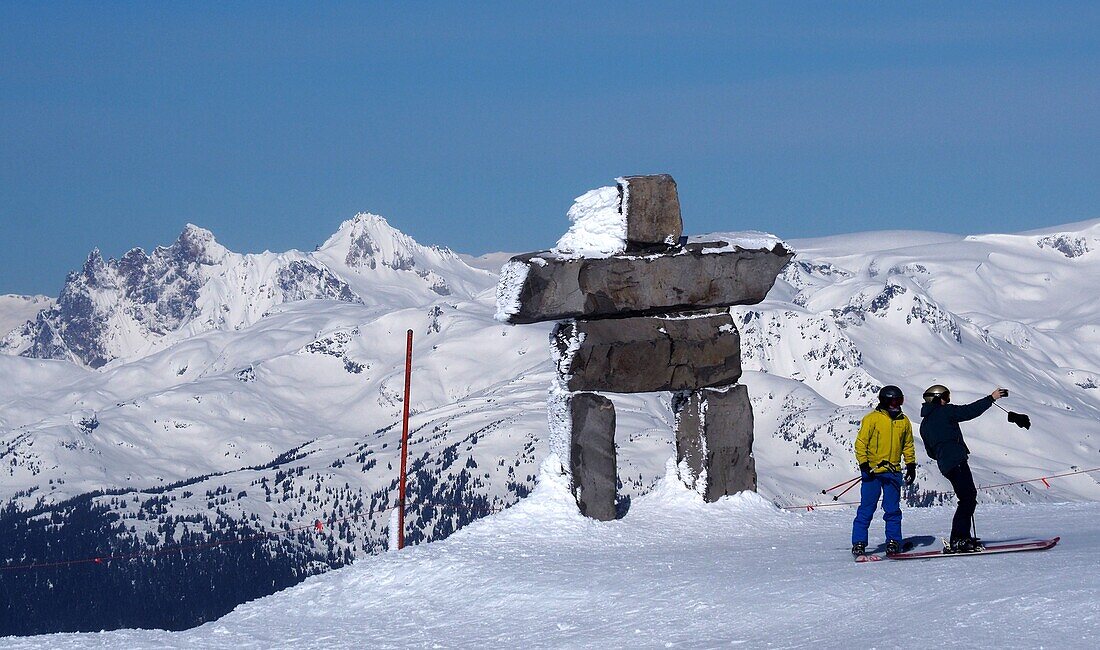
(642,309)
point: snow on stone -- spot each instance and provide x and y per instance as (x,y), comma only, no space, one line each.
(565,341)
(746,240)
(509,286)
(598,226)
(559,422)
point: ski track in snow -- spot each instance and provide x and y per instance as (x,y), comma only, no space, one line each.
(676,572)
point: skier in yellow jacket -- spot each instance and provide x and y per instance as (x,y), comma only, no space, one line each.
(885,435)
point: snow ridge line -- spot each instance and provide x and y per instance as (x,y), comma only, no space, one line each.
(809,507)
(318,525)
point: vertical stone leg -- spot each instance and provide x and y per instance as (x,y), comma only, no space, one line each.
(583,436)
(714,440)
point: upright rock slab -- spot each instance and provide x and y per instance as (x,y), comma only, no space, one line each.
(648,353)
(714,436)
(582,429)
(543,286)
(652,208)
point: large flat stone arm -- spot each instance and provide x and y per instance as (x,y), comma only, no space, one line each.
(542,286)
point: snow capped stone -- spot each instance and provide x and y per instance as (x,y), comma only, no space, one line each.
(638,213)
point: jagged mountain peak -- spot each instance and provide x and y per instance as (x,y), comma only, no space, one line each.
(196,244)
(93,263)
(368,252)
(367,240)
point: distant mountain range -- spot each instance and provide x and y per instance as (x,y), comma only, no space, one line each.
(198,394)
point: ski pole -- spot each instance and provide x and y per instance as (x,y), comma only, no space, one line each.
(828,490)
(836,497)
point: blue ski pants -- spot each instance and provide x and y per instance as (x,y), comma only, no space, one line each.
(888,485)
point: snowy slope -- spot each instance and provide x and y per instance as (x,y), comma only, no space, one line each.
(285,407)
(913,309)
(676,572)
(16,310)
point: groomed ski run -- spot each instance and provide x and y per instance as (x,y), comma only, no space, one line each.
(675,572)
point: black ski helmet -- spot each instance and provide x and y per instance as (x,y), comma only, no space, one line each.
(891,396)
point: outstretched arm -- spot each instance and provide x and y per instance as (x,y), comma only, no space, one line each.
(972,410)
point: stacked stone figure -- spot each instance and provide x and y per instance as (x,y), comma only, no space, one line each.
(652,316)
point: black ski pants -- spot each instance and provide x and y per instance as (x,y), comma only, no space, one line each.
(967,495)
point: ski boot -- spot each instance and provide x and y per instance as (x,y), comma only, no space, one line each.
(965,545)
(893,547)
(859,549)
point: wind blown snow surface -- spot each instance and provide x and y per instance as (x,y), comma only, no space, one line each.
(676,572)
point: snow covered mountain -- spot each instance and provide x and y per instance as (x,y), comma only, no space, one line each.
(16,310)
(195,395)
(141,303)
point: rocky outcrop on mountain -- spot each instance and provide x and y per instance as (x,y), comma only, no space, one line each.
(116,308)
(1067,244)
(640,303)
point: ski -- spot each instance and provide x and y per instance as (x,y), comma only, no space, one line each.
(990,549)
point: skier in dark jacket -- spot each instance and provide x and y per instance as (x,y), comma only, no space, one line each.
(943,440)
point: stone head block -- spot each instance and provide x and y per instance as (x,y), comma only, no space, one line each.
(652,209)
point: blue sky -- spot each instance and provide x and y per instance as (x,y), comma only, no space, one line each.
(474,125)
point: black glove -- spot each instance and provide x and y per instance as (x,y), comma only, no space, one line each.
(910,473)
(1019,419)
(865,471)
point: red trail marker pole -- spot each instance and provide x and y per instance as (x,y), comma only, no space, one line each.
(404,442)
